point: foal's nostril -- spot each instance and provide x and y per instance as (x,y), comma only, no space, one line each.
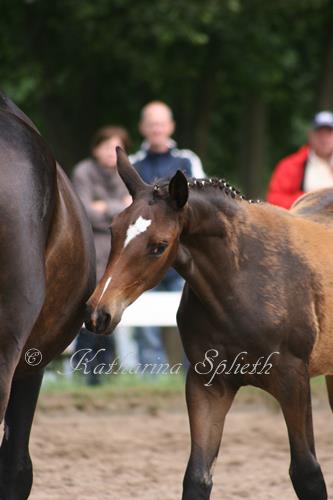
(96,320)
(88,319)
(103,320)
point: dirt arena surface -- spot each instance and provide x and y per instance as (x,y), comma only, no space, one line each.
(138,449)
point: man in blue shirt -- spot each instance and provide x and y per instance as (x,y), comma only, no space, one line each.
(159,157)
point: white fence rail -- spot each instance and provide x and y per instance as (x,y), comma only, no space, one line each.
(152,309)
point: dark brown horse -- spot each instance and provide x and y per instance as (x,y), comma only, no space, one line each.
(257,307)
(47,273)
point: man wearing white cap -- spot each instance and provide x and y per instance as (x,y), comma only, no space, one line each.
(309,169)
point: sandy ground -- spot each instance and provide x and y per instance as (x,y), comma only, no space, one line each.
(140,452)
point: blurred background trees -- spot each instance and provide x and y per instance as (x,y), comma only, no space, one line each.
(244,77)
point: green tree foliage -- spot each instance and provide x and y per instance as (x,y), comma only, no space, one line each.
(243,76)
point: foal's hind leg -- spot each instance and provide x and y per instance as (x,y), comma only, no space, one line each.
(207,408)
(15,462)
(291,388)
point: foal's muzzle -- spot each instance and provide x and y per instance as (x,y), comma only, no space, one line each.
(97,320)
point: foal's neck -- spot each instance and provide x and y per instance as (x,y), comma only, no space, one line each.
(209,239)
(212,213)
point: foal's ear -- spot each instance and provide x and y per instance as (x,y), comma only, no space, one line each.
(129,175)
(178,190)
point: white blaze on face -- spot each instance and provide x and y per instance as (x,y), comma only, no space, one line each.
(139,226)
(107,283)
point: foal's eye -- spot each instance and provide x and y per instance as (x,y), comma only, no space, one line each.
(158,249)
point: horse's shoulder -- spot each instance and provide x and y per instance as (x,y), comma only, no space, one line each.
(190,306)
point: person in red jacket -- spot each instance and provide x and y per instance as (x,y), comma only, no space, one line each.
(309,169)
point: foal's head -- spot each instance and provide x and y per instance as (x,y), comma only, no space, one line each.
(145,240)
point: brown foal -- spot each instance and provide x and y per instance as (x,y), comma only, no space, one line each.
(257,307)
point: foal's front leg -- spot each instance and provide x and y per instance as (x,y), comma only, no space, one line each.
(207,408)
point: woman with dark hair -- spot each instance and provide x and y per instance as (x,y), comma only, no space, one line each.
(100,188)
(103,194)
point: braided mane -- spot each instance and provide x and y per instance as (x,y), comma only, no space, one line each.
(214,182)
